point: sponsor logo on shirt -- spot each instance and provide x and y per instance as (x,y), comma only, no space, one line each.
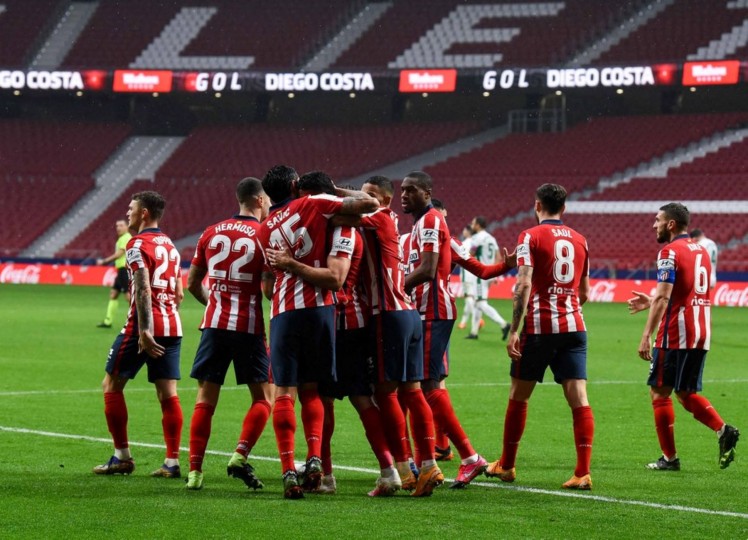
(665,264)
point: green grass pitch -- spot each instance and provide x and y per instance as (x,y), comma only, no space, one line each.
(52,432)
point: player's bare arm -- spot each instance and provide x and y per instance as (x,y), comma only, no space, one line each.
(332,277)
(195,278)
(639,302)
(519,308)
(510,259)
(425,272)
(356,202)
(179,290)
(657,309)
(584,290)
(268,282)
(146,343)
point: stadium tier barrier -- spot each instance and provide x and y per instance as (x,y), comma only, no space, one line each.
(728,293)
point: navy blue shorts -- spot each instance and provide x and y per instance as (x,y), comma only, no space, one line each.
(125,361)
(566,354)
(680,369)
(398,346)
(354,365)
(302,346)
(122,281)
(436,336)
(219,347)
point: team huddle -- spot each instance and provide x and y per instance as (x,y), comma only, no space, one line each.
(358,311)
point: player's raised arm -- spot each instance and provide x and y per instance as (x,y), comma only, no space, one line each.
(356,202)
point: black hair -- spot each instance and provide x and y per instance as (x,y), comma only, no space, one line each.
(437,204)
(480,220)
(552,197)
(382,182)
(278,182)
(247,189)
(678,213)
(316,182)
(151,201)
(423,180)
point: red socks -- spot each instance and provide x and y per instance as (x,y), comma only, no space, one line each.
(514,427)
(393,424)
(328,428)
(254,424)
(284,425)
(199,434)
(372,422)
(444,415)
(312,417)
(115,411)
(172,421)
(664,416)
(584,431)
(703,411)
(422,425)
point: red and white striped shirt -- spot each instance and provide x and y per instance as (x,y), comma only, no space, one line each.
(383,272)
(687,321)
(231,252)
(350,299)
(433,299)
(559,258)
(153,250)
(301,226)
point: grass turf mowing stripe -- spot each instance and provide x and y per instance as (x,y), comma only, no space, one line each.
(568,494)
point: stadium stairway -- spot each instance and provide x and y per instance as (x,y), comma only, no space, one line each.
(139,157)
(610,39)
(63,35)
(660,166)
(352,32)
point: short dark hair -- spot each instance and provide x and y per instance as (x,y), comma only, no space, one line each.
(247,189)
(552,197)
(278,182)
(678,213)
(480,220)
(438,204)
(317,182)
(696,233)
(423,180)
(151,201)
(382,182)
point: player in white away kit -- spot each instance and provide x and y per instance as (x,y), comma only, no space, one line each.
(710,245)
(484,247)
(468,281)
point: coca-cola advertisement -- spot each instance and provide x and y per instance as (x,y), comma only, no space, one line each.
(57,274)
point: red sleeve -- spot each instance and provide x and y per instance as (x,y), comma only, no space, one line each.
(198,259)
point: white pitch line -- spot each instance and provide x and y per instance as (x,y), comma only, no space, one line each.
(568,494)
(191,388)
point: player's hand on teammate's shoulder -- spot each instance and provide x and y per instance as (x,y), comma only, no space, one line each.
(639,302)
(510,258)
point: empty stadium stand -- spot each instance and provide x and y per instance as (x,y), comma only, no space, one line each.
(46,167)
(262,34)
(682,29)
(21,22)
